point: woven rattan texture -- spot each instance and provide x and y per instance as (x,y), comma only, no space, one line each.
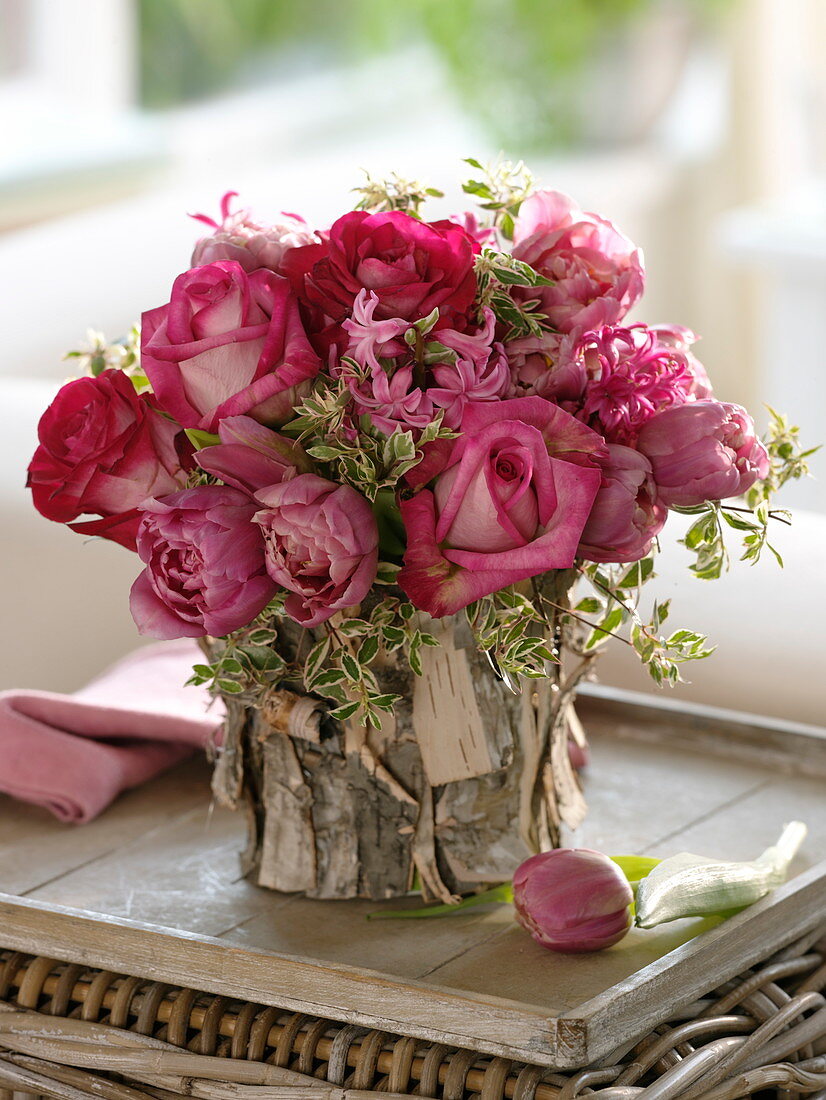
(70,1032)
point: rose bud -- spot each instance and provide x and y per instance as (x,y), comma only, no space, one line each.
(572,900)
(626,515)
(704,450)
(321,544)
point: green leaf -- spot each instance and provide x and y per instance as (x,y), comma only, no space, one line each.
(326,678)
(354,628)
(230,666)
(387,572)
(589,606)
(229,687)
(346,711)
(316,658)
(351,668)
(368,650)
(384,702)
(324,452)
(739,523)
(635,868)
(200,439)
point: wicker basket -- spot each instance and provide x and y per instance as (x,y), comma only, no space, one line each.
(73,1033)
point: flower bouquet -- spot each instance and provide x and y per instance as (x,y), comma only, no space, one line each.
(367,466)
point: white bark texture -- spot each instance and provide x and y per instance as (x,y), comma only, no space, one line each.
(466,780)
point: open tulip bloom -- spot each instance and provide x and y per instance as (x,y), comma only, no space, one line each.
(391,419)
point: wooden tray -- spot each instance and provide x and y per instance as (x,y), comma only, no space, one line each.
(152,889)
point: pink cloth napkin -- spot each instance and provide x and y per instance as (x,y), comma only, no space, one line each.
(75,753)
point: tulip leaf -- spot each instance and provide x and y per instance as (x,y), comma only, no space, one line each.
(497,895)
(635,868)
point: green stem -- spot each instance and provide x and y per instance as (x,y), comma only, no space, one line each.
(502,894)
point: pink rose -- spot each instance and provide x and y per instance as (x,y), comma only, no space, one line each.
(597,272)
(227,343)
(251,457)
(411,266)
(251,244)
(510,499)
(704,450)
(626,516)
(103,450)
(321,544)
(204,560)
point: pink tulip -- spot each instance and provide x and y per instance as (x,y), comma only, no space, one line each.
(572,900)
(251,457)
(204,561)
(322,545)
(626,516)
(704,450)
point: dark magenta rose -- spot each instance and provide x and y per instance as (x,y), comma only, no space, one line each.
(626,515)
(205,571)
(103,450)
(509,499)
(227,344)
(411,266)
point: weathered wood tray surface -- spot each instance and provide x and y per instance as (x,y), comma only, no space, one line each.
(152,888)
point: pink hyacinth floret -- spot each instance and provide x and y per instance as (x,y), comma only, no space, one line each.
(476,346)
(465,381)
(391,403)
(369,337)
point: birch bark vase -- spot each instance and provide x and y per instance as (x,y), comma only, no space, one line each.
(466,779)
